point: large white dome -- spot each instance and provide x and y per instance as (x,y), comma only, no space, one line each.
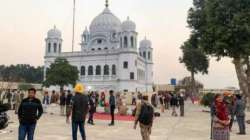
(54,33)
(105,22)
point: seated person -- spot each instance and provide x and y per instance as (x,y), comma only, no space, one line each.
(123,110)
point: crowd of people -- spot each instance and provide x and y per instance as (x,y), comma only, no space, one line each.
(81,105)
(77,106)
(223,113)
(12,97)
(168,100)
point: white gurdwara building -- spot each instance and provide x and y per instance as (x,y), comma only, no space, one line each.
(109,58)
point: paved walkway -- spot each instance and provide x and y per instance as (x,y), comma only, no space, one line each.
(195,126)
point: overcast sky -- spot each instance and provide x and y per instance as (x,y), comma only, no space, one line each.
(24,25)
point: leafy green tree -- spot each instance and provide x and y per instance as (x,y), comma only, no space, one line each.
(223,30)
(61,73)
(21,73)
(195,60)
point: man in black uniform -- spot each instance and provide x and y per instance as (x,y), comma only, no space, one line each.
(112,107)
(29,112)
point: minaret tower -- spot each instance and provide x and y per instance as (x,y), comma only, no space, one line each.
(53,42)
(146,52)
(128,55)
(129,35)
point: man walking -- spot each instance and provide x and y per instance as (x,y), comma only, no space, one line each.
(45,101)
(174,104)
(181,104)
(68,103)
(29,112)
(79,111)
(166,100)
(112,107)
(9,97)
(240,114)
(144,115)
(62,103)
(92,110)
(18,101)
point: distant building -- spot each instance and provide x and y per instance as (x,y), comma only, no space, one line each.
(109,58)
(231,90)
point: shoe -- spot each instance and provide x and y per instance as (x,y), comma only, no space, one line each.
(111,124)
(241,133)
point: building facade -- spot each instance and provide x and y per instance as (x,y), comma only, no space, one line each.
(110,58)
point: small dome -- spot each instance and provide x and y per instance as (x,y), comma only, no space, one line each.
(128,25)
(105,22)
(54,33)
(145,43)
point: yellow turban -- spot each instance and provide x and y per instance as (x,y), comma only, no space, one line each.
(79,88)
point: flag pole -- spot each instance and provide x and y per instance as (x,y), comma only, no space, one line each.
(73,33)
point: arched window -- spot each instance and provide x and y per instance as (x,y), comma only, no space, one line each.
(99,41)
(90,70)
(149,55)
(113,70)
(125,64)
(135,42)
(125,42)
(82,70)
(49,47)
(98,70)
(106,70)
(121,42)
(60,48)
(132,41)
(132,75)
(55,45)
(144,54)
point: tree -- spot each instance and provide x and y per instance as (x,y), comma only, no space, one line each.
(21,73)
(187,84)
(61,73)
(195,60)
(223,30)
